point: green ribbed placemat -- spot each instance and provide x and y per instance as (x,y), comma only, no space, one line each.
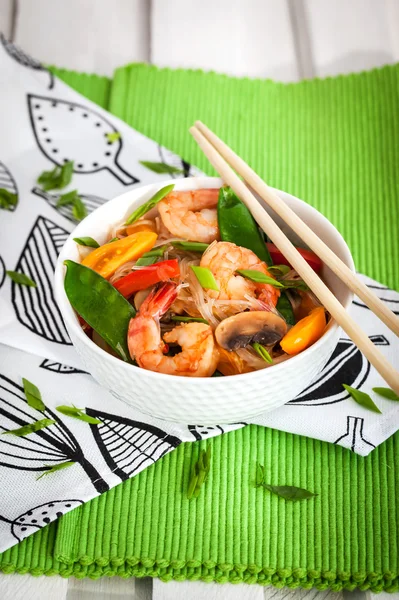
(334,143)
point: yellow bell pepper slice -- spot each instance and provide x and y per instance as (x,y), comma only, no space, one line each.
(305,333)
(109,257)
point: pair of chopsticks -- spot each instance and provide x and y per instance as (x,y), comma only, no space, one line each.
(224,160)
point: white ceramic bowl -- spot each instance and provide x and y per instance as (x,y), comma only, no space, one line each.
(200,400)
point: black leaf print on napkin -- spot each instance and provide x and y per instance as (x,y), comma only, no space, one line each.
(7,182)
(2,272)
(129,446)
(346,365)
(56,367)
(36,308)
(91,202)
(53,445)
(385,294)
(24,59)
(67,131)
(171,159)
(39,516)
(353,436)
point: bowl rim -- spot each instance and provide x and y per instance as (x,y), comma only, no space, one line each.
(72,322)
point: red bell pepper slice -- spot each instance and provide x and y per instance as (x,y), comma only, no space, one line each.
(279,259)
(146,276)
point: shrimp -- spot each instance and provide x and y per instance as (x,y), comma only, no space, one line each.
(224,259)
(191,215)
(199,355)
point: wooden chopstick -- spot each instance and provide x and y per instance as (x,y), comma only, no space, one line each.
(265,221)
(304,232)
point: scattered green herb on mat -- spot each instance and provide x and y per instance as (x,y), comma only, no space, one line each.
(160,167)
(112,137)
(77,413)
(54,468)
(199,473)
(33,395)
(31,428)
(288,492)
(8,201)
(56,179)
(362,398)
(21,278)
(386,393)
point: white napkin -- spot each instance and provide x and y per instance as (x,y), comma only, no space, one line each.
(43,123)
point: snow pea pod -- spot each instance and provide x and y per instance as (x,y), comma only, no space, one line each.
(100,305)
(237,225)
(284,307)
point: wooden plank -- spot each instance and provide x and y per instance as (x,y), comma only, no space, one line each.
(253,40)
(349,36)
(86,35)
(6,17)
(197,590)
(26,587)
(115,588)
(300,594)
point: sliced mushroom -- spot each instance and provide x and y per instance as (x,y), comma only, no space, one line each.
(243,329)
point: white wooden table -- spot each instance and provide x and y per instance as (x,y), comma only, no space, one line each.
(286,40)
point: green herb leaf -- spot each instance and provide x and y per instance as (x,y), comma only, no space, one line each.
(189,319)
(79,210)
(260,474)
(87,241)
(279,269)
(31,428)
(58,178)
(7,200)
(21,278)
(151,257)
(144,208)
(199,473)
(113,137)
(362,398)
(67,199)
(386,393)
(284,307)
(33,395)
(160,167)
(217,374)
(263,353)
(289,492)
(115,239)
(259,277)
(297,284)
(205,277)
(54,468)
(192,483)
(77,413)
(190,246)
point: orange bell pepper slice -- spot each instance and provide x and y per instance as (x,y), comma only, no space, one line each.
(305,332)
(109,257)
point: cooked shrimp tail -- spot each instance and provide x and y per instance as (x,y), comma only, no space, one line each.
(159,301)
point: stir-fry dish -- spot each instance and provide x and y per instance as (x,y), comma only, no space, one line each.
(188,285)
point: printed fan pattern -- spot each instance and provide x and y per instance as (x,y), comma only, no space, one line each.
(53,124)
(7,181)
(36,307)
